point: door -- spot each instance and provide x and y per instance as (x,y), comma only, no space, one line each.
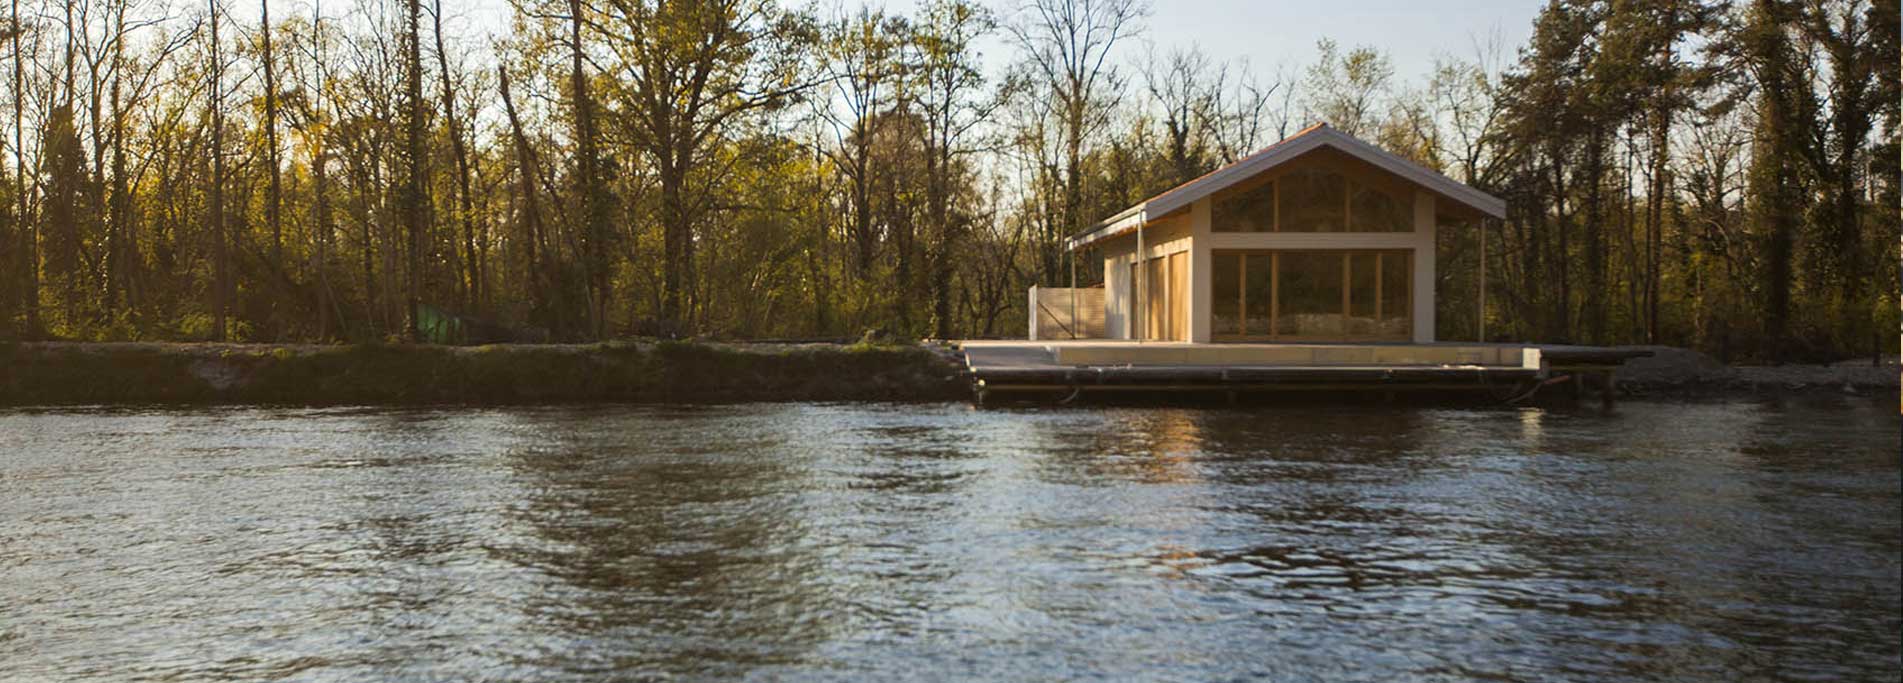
(1165,302)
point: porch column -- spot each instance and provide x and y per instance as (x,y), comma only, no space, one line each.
(1201,264)
(1424,277)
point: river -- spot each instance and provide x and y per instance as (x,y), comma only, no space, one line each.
(1671,542)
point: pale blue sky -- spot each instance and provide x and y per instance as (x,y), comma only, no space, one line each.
(1412,32)
(1271,33)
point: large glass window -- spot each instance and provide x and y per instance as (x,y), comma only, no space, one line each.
(1363,294)
(1397,306)
(1257,293)
(1313,200)
(1249,210)
(1373,210)
(1312,295)
(1227,295)
(1316,196)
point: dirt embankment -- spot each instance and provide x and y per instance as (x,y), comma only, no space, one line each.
(139,373)
(1673,371)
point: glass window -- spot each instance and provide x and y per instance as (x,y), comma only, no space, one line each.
(1251,210)
(1311,295)
(1396,309)
(1363,293)
(1313,200)
(1373,210)
(1255,292)
(1227,295)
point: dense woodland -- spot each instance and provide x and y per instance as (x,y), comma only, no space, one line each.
(1719,175)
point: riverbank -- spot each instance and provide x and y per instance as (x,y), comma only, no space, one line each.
(60,373)
(1672,372)
(66,373)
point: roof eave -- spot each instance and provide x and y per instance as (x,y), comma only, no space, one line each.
(1113,226)
(1303,143)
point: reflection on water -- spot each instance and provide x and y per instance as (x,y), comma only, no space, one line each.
(1668,542)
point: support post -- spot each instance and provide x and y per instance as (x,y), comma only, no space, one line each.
(1073,293)
(1139,315)
(1482,313)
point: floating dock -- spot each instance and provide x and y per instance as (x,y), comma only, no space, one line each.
(1066,370)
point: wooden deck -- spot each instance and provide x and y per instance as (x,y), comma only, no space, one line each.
(1072,368)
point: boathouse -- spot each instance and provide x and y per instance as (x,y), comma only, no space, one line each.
(1318,238)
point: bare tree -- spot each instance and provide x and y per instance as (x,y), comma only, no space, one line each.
(1067,44)
(1242,113)
(1181,84)
(459,149)
(859,57)
(1344,89)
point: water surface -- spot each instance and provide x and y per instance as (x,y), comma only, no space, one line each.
(1667,542)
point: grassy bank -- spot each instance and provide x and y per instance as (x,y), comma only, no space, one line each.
(74,373)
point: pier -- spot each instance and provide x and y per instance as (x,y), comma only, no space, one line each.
(1066,370)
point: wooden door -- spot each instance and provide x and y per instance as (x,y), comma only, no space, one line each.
(1165,298)
(1179,296)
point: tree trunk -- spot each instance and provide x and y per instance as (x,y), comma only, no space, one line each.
(220,258)
(531,214)
(123,249)
(588,186)
(460,150)
(413,201)
(28,231)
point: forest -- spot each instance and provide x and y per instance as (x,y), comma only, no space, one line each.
(1715,174)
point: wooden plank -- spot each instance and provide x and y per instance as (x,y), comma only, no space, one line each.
(1179,296)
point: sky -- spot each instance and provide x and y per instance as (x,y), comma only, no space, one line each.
(1269,33)
(1411,32)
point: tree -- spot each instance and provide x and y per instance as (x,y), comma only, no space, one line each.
(459,149)
(274,196)
(693,70)
(859,56)
(221,259)
(1178,84)
(1067,45)
(29,261)
(946,84)
(415,197)
(1777,181)
(592,201)
(1344,90)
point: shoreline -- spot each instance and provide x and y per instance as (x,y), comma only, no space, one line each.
(177,373)
(1676,373)
(81,373)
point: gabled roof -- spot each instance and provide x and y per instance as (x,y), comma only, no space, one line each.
(1311,138)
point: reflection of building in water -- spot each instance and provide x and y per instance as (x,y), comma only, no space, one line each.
(1532,429)
(1171,439)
